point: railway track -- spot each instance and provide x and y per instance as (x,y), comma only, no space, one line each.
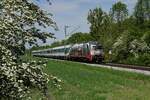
(144,68)
(122,67)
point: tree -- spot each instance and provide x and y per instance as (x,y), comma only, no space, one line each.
(121,46)
(119,12)
(100,23)
(79,38)
(146,38)
(142,11)
(57,43)
(18,21)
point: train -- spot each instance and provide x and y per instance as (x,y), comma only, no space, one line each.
(90,52)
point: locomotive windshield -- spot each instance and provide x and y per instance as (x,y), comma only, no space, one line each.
(97,47)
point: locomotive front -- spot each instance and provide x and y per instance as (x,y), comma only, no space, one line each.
(97,52)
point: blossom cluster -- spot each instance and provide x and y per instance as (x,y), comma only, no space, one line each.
(129,44)
(16,79)
(56,81)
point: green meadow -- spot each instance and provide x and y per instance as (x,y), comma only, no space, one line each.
(83,82)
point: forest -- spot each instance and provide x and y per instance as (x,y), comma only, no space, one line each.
(127,35)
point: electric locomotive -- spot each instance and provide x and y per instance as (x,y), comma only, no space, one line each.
(90,51)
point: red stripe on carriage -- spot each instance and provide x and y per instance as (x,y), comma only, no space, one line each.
(89,57)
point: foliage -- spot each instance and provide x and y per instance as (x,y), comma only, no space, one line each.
(128,46)
(146,38)
(56,81)
(121,46)
(142,59)
(95,18)
(126,35)
(17,79)
(18,19)
(142,11)
(79,38)
(119,12)
(58,43)
(100,25)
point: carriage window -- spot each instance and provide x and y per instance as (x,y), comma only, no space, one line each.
(48,51)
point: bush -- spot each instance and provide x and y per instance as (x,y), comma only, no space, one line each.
(16,79)
(142,59)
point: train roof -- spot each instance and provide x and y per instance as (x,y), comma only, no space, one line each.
(90,42)
(59,47)
(68,46)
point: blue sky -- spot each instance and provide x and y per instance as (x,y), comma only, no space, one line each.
(74,13)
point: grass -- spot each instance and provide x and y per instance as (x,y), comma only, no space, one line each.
(82,82)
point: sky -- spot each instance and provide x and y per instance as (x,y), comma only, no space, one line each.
(74,13)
